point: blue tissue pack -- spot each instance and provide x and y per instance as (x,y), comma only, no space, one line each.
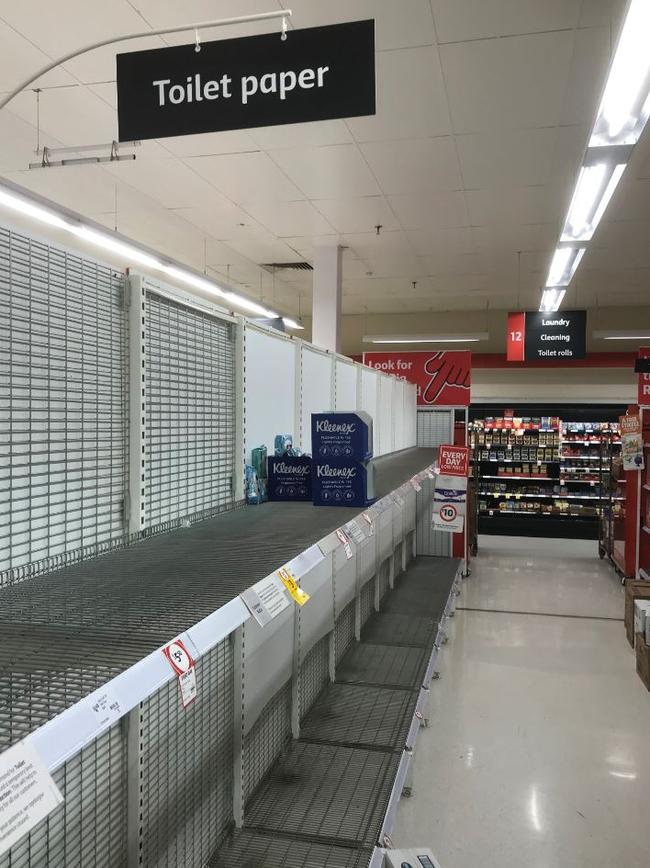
(342,435)
(289,477)
(342,482)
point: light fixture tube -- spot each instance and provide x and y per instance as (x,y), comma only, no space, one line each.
(28,209)
(622,336)
(594,188)
(247,304)
(292,324)
(552,298)
(129,253)
(426,339)
(623,110)
(193,280)
(563,266)
(113,245)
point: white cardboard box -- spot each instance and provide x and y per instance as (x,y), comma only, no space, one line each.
(641,619)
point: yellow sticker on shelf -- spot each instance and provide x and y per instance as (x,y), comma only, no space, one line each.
(518,496)
(293,587)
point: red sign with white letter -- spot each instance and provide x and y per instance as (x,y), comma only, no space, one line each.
(644,380)
(442,378)
(453,460)
(515,338)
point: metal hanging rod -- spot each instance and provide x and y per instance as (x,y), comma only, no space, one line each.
(205,25)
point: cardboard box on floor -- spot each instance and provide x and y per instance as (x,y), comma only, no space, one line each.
(643,660)
(635,589)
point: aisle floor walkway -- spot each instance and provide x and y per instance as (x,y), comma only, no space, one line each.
(538,755)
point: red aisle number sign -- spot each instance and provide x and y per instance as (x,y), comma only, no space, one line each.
(516,344)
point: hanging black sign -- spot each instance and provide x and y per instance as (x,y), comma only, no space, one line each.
(315,74)
(560,335)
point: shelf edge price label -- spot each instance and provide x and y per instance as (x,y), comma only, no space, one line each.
(345,542)
(182,662)
(299,596)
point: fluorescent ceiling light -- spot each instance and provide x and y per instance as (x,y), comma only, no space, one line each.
(594,188)
(622,335)
(247,304)
(551,300)
(623,110)
(126,251)
(193,280)
(564,264)
(292,324)
(426,339)
(23,206)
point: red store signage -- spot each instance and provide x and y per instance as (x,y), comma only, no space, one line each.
(453,460)
(442,378)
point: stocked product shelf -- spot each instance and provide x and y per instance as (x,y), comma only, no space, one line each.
(512,476)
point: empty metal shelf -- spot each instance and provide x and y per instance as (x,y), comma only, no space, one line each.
(387,665)
(396,629)
(353,715)
(246,849)
(325,793)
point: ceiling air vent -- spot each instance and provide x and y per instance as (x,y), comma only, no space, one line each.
(288,266)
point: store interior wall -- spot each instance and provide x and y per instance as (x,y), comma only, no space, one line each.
(554,385)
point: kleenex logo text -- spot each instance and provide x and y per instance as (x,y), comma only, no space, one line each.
(325,427)
(335,472)
(289,468)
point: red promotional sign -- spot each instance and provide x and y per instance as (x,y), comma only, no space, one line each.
(515,338)
(442,378)
(453,460)
(644,380)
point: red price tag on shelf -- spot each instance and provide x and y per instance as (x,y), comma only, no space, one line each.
(182,662)
(345,542)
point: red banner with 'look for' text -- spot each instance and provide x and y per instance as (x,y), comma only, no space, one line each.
(442,378)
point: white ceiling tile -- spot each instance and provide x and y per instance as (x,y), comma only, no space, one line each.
(18,143)
(412,166)
(517,159)
(602,13)
(60,28)
(430,210)
(337,171)
(371,244)
(72,115)
(263,249)
(398,24)
(87,189)
(522,81)
(208,144)
(169,181)
(224,222)
(20,58)
(480,19)
(316,134)
(442,263)
(357,215)
(289,218)
(631,201)
(505,205)
(589,64)
(411,100)
(246,178)
(453,241)
(407,267)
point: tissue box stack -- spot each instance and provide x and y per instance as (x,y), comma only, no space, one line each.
(342,450)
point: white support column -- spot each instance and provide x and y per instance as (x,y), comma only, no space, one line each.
(326,311)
